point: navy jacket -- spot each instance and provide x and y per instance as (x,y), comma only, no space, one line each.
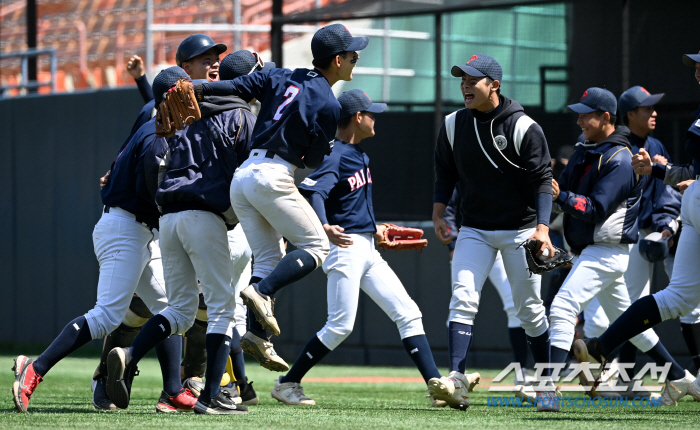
(127,184)
(499,180)
(344,182)
(196,171)
(298,116)
(661,204)
(600,193)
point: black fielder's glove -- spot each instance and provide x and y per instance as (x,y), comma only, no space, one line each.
(538,266)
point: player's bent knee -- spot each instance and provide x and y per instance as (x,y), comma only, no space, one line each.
(410,328)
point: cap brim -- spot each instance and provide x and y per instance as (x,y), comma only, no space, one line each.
(652,100)
(269,66)
(580,108)
(358,43)
(220,49)
(458,71)
(690,59)
(376,108)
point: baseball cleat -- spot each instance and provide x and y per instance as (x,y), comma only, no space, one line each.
(290,393)
(183,401)
(220,405)
(100,400)
(262,350)
(694,389)
(262,308)
(436,403)
(453,389)
(26,380)
(194,384)
(247,392)
(674,390)
(232,391)
(547,401)
(586,351)
(120,376)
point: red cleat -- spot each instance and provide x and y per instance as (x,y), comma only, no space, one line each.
(26,380)
(184,401)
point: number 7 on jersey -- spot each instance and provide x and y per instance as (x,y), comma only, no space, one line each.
(291,92)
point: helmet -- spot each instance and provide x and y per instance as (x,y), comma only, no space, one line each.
(653,248)
(194,45)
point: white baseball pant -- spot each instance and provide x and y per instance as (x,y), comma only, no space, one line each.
(269,206)
(361,267)
(682,296)
(597,272)
(130,262)
(474,256)
(194,245)
(242,271)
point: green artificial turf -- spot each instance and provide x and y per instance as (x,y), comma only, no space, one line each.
(63,400)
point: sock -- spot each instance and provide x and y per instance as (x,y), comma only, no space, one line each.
(691,335)
(237,359)
(156,330)
(291,268)
(313,352)
(540,350)
(660,356)
(628,353)
(459,340)
(255,327)
(169,352)
(74,335)
(218,349)
(558,355)
(419,351)
(518,341)
(642,315)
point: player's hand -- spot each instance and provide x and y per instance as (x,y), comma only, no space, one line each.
(682,186)
(542,237)
(641,163)
(667,234)
(379,235)
(336,236)
(555,189)
(659,159)
(442,231)
(135,67)
(104,179)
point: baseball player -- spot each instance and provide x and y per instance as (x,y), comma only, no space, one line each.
(600,196)
(295,129)
(340,192)
(137,71)
(193,188)
(499,280)
(682,295)
(129,261)
(500,158)
(658,211)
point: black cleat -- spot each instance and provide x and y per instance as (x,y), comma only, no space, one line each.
(120,376)
(220,405)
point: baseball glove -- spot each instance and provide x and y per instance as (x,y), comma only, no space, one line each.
(177,110)
(538,266)
(402,238)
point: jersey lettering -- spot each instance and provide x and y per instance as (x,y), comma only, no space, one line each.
(291,92)
(359,179)
(369,176)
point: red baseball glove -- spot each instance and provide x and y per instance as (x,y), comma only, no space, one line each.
(402,238)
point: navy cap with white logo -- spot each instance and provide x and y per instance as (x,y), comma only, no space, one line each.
(241,63)
(636,97)
(594,99)
(355,101)
(333,39)
(480,65)
(690,59)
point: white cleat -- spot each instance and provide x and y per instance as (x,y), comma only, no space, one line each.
(290,393)
(674,390)
(694,389)
(454,389)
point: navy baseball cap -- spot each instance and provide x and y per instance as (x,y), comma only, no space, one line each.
(594,99)
(196,44)
(333,39)
(690,59)
(635,97)
(480,65)
(355,101)
(241,63)
(165,80)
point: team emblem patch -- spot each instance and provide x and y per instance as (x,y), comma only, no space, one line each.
(500,142)
(308,182)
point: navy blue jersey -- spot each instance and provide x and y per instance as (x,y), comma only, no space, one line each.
(344,181)
(126,187)
(299,113)
(144,115)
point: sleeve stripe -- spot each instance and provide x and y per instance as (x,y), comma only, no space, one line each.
(450,121)
(522,125)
